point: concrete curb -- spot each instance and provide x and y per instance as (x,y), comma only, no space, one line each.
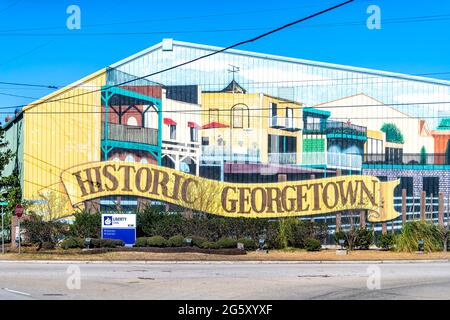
(228,262)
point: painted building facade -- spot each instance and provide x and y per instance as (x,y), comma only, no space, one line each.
(236,116)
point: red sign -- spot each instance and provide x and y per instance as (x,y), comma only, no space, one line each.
(19,210)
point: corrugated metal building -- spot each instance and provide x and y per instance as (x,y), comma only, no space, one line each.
(238,116)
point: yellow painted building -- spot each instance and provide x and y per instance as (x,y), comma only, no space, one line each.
(59,134)
(242,124)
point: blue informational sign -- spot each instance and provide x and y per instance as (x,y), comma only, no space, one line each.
(119,227)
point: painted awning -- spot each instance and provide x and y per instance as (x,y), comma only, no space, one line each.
(169,121)
(192,124)
(215,125)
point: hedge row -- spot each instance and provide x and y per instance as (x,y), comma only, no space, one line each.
(74,242)
(180,241)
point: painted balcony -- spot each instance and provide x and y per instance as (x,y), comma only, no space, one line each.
(217,154)
(336,130)
(283,158)
(134,134)
(342,130)
(332,160)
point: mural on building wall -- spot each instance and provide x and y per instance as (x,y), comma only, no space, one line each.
(270,120)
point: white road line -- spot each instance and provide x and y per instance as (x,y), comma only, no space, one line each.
(17,292)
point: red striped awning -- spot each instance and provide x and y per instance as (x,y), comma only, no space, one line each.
(192,124)
(169,121)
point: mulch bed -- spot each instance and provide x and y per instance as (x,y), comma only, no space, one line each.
(232,252)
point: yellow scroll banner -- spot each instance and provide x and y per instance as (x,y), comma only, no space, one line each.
(269,200)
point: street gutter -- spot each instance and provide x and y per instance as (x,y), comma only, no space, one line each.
(229,262)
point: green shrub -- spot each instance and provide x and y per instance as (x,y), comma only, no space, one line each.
(40,231)
(249,244)
(106,243)
(141,242)
(364,239)
(48,245)
(414,231)
(393,133)
(355,238)
(176,241)
(156,241)
(119,243)
(225,243)
(72,243)
(340,235)
(312,244)
(209,245)
(153,222)
(197,241)
(86,225)
(386,241)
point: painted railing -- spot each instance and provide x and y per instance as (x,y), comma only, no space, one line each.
(283,158)
(219,154)
(344,161)
(333,160)
(120,132)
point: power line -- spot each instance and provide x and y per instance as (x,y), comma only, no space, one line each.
(30,85)
(10,6)
(212,53)
(26,53)
(430,18)
(15,95)
(234,13)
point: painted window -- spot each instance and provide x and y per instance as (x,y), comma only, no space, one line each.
(313,123)
(282,144)
(431,186)
(143,160)
(406,183)
(289,118)
(213,115)
(238,117)
(132,121)
(129,158)
(394,155)
(273,108)
(173,131)
(194,134)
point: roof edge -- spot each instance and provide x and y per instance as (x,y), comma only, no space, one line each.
(62,90)
(316,63)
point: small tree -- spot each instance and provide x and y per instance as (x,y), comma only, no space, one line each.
(393,133)
(38,231)
(86,225)
(423,155)
(447,153)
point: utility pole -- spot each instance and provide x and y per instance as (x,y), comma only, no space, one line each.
(3,204)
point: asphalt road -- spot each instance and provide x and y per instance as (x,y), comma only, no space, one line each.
(30,280)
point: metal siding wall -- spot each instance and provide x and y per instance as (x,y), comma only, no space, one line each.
(59,135)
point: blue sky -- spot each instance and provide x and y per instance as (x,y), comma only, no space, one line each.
(42,50)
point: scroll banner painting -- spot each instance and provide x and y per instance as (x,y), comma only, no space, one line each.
(271,200)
